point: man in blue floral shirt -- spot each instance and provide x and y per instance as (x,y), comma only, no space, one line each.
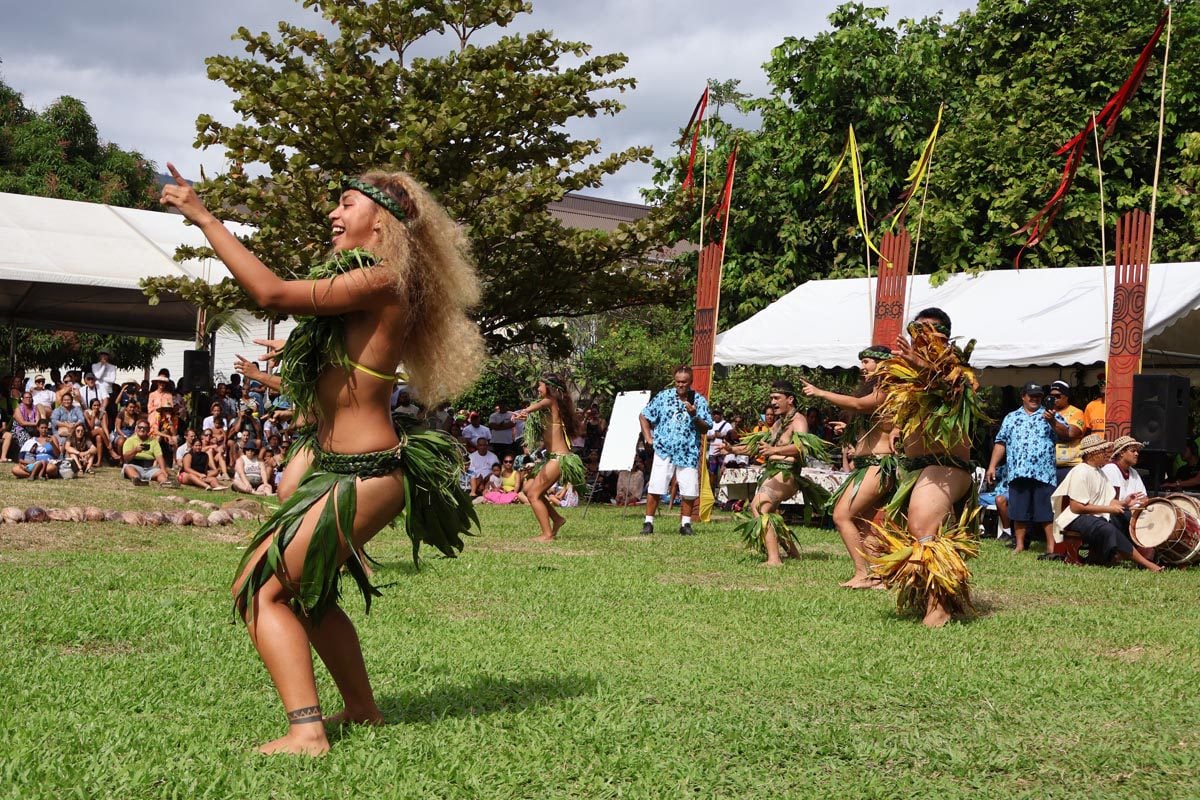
(1026,443)
(673,423)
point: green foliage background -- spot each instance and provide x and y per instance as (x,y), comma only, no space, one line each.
(58,152)
(1017,78)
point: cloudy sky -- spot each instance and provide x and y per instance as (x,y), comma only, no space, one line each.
(139,64)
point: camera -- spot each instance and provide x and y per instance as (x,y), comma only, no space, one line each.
(1048,403)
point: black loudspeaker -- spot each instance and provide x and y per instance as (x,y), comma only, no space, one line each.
(1160,411)
(197,368)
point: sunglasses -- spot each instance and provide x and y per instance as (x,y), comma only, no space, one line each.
(1055,396)
(508,461)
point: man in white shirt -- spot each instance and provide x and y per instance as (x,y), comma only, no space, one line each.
(501,424)
(481,466)
(215,410)
(473,431)
(106,373)
(43,398)
(91,390)
(1085,504)
(1121,471)
(404,405)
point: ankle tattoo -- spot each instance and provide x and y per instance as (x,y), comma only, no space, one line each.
(303,716)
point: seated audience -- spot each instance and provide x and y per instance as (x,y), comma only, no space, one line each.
(123,426)
(220,447)
(39,455)
(1187,475)
(509,486)
(250,474)
(96,422)
(81,451)
(631,484)
(143,456)
(196,469)
(480,465)
(1085,503)
(563,495)
(43,397)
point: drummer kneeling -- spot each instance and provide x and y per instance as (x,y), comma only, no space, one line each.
(1085,504)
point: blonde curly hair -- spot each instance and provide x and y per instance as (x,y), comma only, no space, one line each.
(436,281)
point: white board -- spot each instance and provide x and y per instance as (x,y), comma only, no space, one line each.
(620,443)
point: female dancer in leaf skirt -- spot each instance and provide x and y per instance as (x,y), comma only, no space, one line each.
(551,423)
(873,480)
(396,287)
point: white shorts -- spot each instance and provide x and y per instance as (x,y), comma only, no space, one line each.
(662,472)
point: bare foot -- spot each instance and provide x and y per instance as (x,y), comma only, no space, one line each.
(299,742)
(348,717)
(775,562)
(936,614)
(545,537)
(863,582)
(557,526)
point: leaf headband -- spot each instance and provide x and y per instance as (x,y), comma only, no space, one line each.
(375,193)
(875,352)
(555,381)
(915,327)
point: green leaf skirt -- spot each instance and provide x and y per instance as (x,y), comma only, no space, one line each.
(570,469)
(436,511)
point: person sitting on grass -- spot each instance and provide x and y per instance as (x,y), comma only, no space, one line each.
(81,450)
(96,424)
(481,461)
(250,476)
(143,456)
(219,448)
(489,484)
(123,427)
(196,468)
(1085,503)
(509,489)
(563,495)
(39,455)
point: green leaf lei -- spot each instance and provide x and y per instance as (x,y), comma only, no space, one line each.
(317,342)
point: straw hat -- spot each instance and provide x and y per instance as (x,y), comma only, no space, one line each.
(1125,442)
(1092,443)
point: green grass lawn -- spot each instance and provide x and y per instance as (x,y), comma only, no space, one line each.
(604,665)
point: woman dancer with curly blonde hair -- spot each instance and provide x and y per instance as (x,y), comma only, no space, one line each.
(395,288)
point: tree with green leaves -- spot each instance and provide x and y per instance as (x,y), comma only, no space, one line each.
(1017,78)
(482,126)
(58,153)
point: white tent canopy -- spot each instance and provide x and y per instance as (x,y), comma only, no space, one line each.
(1035,318)
(74,265)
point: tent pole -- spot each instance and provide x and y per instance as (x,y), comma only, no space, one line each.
(12,347)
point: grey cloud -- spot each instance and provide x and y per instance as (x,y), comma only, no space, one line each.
(139,65)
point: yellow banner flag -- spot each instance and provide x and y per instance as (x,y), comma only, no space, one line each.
(860,200)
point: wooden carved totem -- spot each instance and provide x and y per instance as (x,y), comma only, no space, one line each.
(891,287)
(708,297)
(1128,321)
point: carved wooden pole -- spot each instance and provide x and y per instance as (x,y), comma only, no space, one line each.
(891,286)
(708,295)
(1128,321)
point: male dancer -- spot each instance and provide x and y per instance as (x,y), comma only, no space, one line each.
(785,448)
(672,423)
(931,394)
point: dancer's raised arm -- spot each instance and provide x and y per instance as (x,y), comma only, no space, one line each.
(352,291)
